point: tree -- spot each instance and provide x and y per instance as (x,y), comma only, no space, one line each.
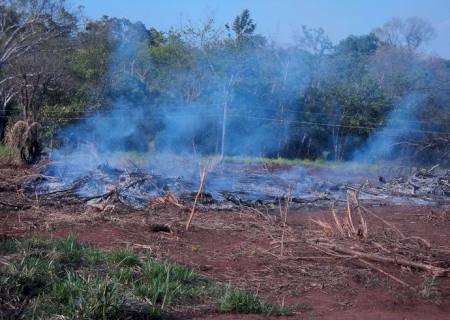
(416,32)
(39,78)
(26,27)
(411,33)
(7,94)
(243,28)
(315,41)
(27,24)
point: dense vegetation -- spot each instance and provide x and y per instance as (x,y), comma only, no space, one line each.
(231,90)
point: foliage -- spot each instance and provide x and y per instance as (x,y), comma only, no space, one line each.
(313,100)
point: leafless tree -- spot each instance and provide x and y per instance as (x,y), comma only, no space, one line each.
(7,93)
(411,33)
(26,24)
(38,76)
(315,41)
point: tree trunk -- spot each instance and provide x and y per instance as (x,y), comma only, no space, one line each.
(224,127)
(2,127)
(226,94)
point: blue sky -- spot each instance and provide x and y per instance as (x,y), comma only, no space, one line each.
(279,19)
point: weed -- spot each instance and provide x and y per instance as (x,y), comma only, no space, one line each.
(123,258)
(162,283)
(6,152)
(430,289)
(79,297)
(8,246)
(237,301)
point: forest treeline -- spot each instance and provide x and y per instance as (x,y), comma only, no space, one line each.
(247,94)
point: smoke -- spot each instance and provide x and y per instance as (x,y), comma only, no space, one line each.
(408,79)
(401,126)
(192,102)
(225,99)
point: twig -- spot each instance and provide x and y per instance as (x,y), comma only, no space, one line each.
(37,198)
(386,274)
(197,196)
(365,229)
(425,242)
(297,257)
(349,216)
(337,222)
(384,221)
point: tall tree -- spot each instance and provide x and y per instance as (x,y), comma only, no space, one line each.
(26,26)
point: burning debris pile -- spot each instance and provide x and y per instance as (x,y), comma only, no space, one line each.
(232,185)
(227,186)
(424,185)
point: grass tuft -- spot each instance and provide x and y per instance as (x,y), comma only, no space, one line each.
(6,152)
(123,258)
(236,301)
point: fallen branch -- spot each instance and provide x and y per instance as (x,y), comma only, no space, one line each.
(437,271)
(386,274)
(422,240)
(296,257)
(16,206)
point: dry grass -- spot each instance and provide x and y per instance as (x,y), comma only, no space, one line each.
(348,237)
(284,215)
(345,226)
(23,138)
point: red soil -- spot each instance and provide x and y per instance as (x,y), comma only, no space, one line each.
(235,247)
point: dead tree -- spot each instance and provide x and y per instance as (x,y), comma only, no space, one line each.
(7,93)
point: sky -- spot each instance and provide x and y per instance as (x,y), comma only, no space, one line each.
(279,19)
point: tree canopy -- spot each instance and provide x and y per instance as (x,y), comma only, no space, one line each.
(227,88)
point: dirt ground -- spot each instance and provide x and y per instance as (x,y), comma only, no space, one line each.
(242,248)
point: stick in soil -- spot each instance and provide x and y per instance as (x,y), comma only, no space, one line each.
(286,210)
(197,196)
(349,217)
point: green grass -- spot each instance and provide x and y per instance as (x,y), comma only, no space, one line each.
(5,152)
(64,279)
(384,168)
(237,301)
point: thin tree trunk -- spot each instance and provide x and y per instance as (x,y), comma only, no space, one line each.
(2,127)
(226,94)
(224,127)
